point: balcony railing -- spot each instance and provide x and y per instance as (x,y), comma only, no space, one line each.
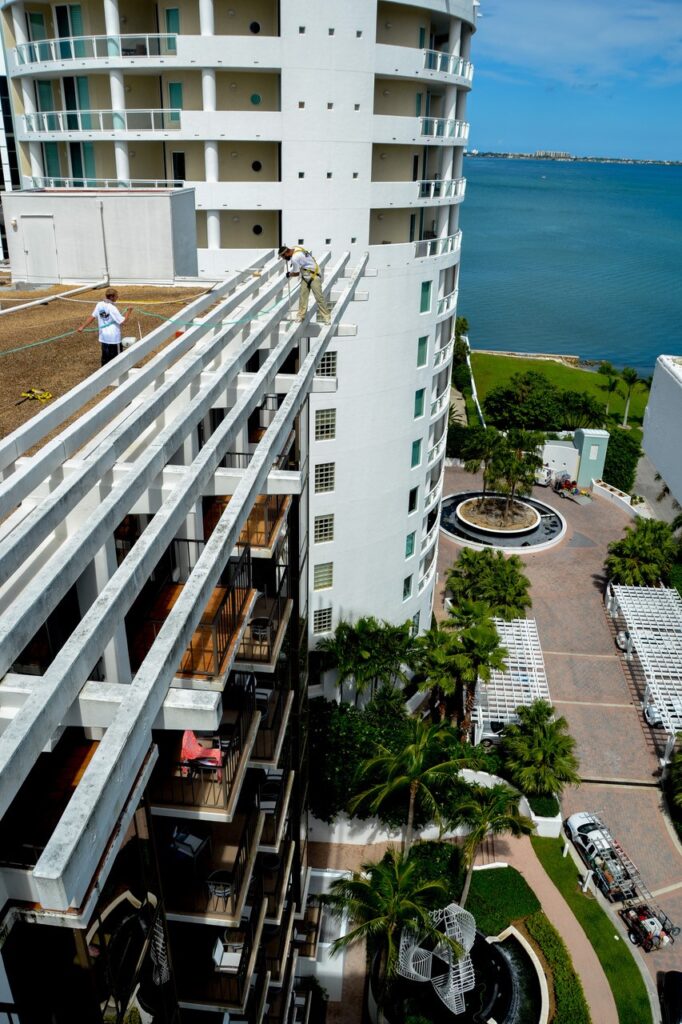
(444,128)
(201,782)
(261,634)
(277,948)
(427,540)
(143,183)
(444,353)
(103,121)
(242,460)
(274,718)
(440,403)
(436,450)
(433,493)
(96,48)
(448,64)
(428,576)
(447,303)
(438,246)
(273,798)
(438,188)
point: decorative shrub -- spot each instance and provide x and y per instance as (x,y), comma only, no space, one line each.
(440,862)
(622,456)
(544,806)
(461,378)
(571,1006)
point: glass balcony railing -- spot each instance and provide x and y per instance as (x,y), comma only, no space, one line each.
(102,121)
(438,246)
(96,48)
(143,183)
(448,64)
(440,188)
(444,128)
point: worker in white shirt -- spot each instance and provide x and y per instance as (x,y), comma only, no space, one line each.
(302,263)
(109,319)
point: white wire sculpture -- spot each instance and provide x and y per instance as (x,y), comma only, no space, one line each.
(451,976)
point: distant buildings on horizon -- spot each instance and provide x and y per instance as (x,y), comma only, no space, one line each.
(551,154)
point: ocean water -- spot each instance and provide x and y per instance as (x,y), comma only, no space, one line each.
(578,258)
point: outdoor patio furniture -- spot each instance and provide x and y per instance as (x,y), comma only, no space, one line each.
(260,629)
(220,885)
(185,844)
(227,956)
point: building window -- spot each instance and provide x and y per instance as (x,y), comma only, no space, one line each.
(407,587)
(425,299)
(173,21)
(409,545)
(174,100)
(422,351)
(416,453)
(327,367)
(412,500)
(325,424)
(325,474)
(324,529)
(323,575)
(322,620)
(419,403)
(414,627)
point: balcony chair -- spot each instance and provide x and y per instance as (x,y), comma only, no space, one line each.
(227,956)
(220,886)
(184,845)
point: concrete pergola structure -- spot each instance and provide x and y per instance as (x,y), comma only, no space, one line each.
(60,508)
(652,619)
(522,682)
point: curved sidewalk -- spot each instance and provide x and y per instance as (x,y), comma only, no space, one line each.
(519,853)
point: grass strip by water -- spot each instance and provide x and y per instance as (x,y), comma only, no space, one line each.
(491,370)
(622,973)
(569,998)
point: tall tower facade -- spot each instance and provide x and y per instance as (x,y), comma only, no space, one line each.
(337,127)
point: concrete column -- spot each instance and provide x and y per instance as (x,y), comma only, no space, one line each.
(211,161)
(122,161)
(208,89)
(213,229)
(118,103)
(206,20)
(112,22)
(89,585)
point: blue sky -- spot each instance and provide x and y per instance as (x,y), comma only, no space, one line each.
(594,77)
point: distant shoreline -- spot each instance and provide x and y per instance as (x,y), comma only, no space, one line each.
(568,159)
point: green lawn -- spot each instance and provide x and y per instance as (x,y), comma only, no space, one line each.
(499,896)
(491,370)
(621,971)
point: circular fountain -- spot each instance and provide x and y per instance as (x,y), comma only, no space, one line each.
(530,524)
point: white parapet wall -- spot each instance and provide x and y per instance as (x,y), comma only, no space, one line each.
(663,422)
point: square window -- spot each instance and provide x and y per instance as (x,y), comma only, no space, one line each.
(414,627)
(327,241)
(327,366)
(356,106)
(416,453)
(325,424)
(301,29)
(419,403)
(325,476)
(301,104)
(358,34)
(413,500)
(301,174)
(322,620)
(330,106)
(425,298)
(301,241)
(331,31)
(323,575)
(422,351)
(324,529)
(329,174)
(407,587)
(409,545)
(353,239)
(355,174)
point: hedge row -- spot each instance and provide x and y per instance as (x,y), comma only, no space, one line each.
(571,1006)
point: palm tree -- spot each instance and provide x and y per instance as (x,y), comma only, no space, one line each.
(424,761)
(644,556)
(369,652)
(488,811)
(490,577)
(433,658)
(479,654)
(479,450)
(631,379)
(612,387)
(380,902)
(539,751)
(341,650)
(515,464)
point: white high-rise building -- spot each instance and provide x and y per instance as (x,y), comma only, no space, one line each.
(338,127)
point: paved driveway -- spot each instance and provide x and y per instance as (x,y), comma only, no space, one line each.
(590,685)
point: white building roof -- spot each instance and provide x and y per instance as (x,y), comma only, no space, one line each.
(523,681)
(653,618)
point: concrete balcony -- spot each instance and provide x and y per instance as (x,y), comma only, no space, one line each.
(264,527)
(274,871)
(274,796)
(447,305)
(418,130)
(444,355)
(429,539)
(275,707)
(433,494)
(425,65)
(427,577)
(102,183)
(436,192)
(436,451)
(144,51)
